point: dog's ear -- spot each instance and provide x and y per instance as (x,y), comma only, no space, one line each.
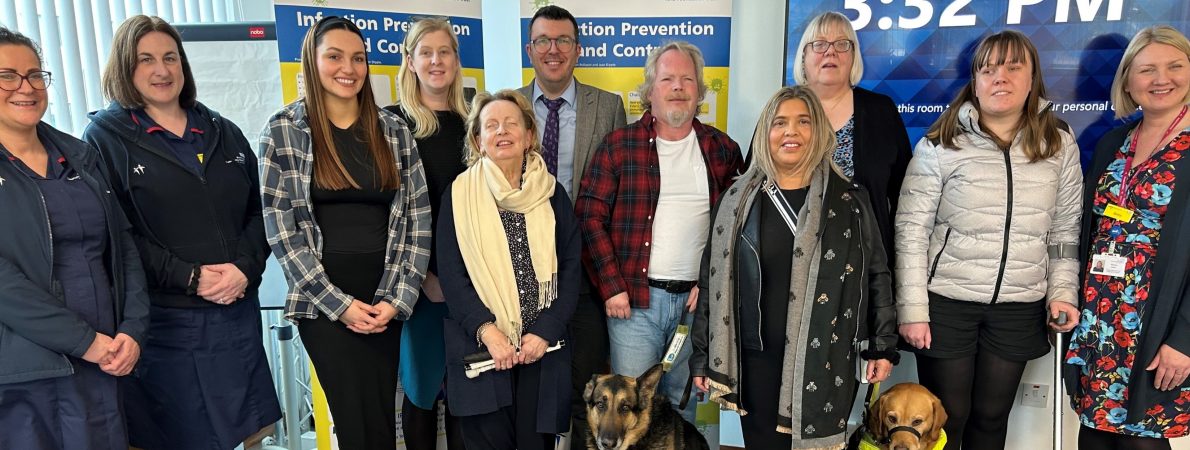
(646,384)
(589,391)
(875,422)
(939,419)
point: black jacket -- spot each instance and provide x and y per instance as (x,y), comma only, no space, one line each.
(36,328)
(494,390)
(181,219)
(1166,318)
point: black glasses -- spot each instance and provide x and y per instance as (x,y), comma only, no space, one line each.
(11,81)
(841,46)
(564,44)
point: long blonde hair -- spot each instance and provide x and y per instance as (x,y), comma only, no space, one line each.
(425,121)
(1039,130)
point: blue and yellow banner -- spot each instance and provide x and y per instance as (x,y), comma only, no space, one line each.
(616,37)
(384,24)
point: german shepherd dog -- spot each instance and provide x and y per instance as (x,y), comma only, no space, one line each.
(627,413)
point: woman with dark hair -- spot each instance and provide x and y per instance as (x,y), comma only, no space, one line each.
(73,306)
(347,215)
(1128,360)
(509,253)
(778,325)
(187,178)
(987,229)
(430,84)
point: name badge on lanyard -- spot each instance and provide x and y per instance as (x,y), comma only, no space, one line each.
(1109,262)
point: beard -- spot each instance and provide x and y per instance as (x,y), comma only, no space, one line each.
(678,117)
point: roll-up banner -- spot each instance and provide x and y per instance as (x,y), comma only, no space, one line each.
(384,24)
(616,37)
(919,51)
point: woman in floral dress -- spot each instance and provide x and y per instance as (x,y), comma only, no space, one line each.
(1127,362)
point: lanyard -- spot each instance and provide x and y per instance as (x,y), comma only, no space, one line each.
(1125,190)
(783,208)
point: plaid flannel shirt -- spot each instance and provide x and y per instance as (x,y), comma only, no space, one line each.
(618,197)
(286,171)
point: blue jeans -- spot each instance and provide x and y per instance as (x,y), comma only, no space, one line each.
(639,342)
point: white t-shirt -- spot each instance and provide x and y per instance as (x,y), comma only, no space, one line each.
(683,211)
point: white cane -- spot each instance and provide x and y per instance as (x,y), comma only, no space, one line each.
(1058,394)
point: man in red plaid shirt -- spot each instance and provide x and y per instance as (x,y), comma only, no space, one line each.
(645,204)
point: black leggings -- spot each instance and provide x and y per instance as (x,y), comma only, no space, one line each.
(1092,439)
(977,392)
(421,427)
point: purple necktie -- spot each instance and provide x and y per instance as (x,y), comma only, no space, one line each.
(549,140)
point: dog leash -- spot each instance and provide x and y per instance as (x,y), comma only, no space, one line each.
(671,355)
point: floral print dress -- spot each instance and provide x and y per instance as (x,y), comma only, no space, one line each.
(1105,342)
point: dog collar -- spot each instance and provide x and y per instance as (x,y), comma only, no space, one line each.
(868,442)
(908,429)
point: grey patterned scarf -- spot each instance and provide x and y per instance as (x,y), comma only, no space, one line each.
(796,404)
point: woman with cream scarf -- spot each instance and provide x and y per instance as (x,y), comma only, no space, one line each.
(509,264)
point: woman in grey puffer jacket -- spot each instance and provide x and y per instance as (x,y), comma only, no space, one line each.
(986,237)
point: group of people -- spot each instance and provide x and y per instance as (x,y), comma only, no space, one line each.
(538,226)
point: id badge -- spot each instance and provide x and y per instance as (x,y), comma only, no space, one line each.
(675,346)
(1109,264)
(1117,212)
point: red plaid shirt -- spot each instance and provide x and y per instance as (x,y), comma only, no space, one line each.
(618,198)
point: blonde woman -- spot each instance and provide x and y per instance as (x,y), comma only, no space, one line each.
(432,103)
(777,326)
(1127,363)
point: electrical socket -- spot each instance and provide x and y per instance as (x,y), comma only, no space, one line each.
(1035,395)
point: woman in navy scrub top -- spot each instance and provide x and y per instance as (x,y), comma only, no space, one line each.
(188,182)
(73,309)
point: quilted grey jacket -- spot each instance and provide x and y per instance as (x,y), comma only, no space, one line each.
(982,225)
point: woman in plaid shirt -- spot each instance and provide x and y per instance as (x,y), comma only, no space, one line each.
(334,155)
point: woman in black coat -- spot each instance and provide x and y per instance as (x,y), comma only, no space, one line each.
(187,179)
(508,257)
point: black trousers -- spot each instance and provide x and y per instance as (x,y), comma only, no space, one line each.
(589,341)
(761,394)
(358,372)
(512,427)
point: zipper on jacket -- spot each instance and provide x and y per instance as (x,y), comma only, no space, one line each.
(49,227)
(934,266)
(759,311)
(863,267)
(1007,228)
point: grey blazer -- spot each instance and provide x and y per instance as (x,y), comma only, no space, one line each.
(598,112)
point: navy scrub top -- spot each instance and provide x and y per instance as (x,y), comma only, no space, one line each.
(78,230)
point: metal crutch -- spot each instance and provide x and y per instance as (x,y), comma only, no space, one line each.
(1057,393)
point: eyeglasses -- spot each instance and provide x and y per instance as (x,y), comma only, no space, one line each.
(11,81)
(841,46)
(564,44)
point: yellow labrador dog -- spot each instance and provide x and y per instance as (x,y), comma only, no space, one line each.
(906,417)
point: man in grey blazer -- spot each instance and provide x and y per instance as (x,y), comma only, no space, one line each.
(582,116)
